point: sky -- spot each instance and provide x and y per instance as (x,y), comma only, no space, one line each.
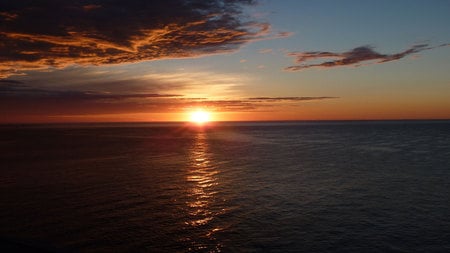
(112,61)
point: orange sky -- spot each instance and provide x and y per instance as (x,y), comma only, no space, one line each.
(241,60)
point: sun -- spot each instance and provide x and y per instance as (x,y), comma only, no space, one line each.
(200,117)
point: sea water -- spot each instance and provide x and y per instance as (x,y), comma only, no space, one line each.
(369,186)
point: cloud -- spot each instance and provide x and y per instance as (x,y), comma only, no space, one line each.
(21,99)
(41,34)
(354,57)
(17,90)
(265,51)
(9,81)
(189,83)
(292,99)
(17,98)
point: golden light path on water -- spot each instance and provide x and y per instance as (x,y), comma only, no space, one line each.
(201,176)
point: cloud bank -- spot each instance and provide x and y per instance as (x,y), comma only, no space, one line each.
(49,33)
(27,100)
(355,57)
(292,99)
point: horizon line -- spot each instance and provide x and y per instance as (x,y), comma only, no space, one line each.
(214,122)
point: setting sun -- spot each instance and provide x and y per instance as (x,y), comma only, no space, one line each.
(200,116)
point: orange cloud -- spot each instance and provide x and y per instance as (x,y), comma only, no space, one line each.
(35,35)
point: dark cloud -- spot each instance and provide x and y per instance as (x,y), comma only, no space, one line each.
(16,90)
(354,57)
(293,99)
(235,105)
(50,33)
(21,99)
(9,81)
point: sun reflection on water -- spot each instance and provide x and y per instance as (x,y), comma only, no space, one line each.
(202,195)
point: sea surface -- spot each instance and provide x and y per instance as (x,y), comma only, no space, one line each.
(361,186)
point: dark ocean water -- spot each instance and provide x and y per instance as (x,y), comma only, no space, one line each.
(248,187)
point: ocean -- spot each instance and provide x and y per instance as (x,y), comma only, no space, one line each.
(350,186)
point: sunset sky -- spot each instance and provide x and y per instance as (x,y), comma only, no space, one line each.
(98,60)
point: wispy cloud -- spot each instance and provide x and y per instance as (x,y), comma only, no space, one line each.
(203,83)
(27,100)
(17,90)
(9,81)
(42,34)
(292,99)
(265,51)
(139,79)
(355,57)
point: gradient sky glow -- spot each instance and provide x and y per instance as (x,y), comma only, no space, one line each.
(98,60)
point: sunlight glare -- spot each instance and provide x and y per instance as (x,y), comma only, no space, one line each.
(200,117)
